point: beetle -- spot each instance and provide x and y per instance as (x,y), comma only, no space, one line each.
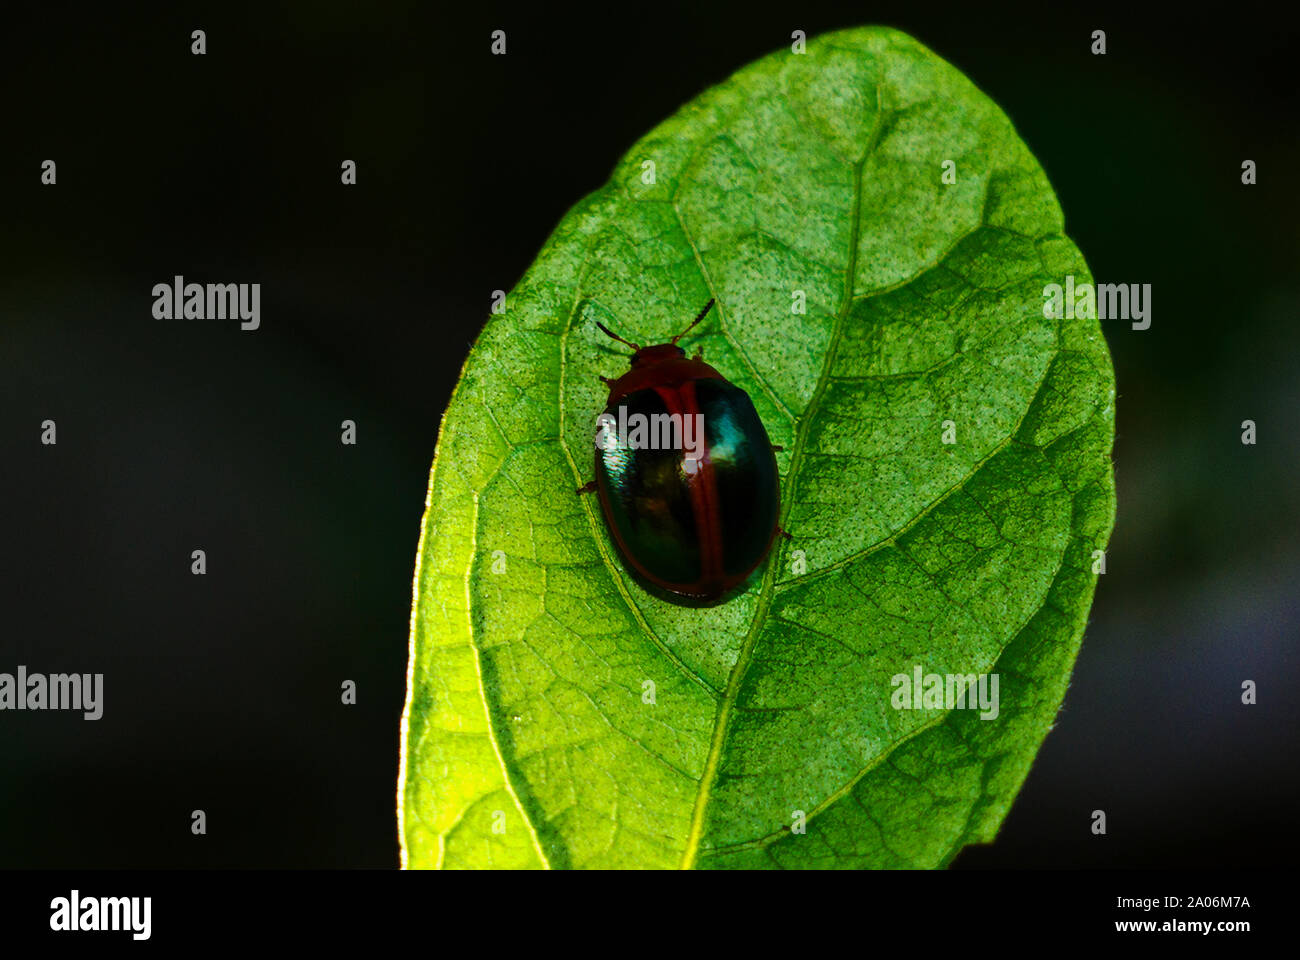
(692,519)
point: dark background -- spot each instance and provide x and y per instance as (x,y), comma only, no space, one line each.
(222,692)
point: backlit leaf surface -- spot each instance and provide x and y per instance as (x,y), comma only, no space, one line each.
(527,738)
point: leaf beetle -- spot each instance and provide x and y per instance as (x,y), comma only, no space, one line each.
(685,473)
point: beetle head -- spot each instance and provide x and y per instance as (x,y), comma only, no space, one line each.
(648,356)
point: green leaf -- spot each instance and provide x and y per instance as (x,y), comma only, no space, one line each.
(527,738)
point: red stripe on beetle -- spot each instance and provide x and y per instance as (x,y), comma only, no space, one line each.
(681,400)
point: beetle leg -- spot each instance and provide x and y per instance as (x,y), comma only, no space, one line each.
(785,533)
(777,448)
(699,353)
(586,488)
(606,380)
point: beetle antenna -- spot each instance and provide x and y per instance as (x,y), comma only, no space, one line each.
(611,333)
(698,317)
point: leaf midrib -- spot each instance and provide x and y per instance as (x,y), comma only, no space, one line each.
(721,724)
